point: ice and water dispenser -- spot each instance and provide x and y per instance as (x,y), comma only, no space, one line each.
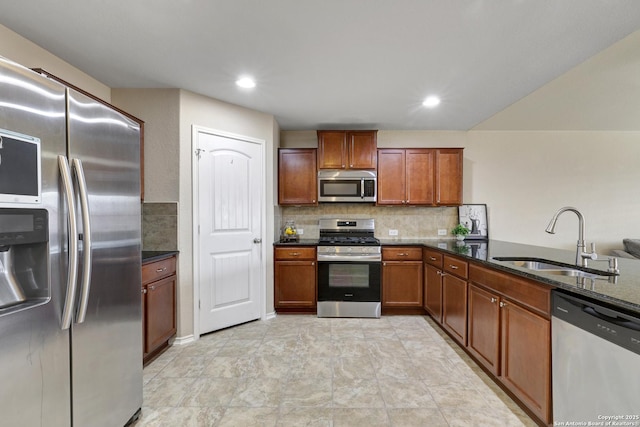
(23,258)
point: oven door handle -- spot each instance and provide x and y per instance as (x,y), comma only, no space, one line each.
(350,258)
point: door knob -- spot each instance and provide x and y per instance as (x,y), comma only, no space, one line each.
(257,240)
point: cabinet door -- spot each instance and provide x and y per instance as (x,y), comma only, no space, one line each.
(402,284)
(449,176)
(295,284)
(332,151)
(454,307)
(391,177)
(297,176)
(484,327)
(161,312)
(362,149)
(526,356)
(420,177)
(433,291)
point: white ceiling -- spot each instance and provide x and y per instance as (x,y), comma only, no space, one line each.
(332,63)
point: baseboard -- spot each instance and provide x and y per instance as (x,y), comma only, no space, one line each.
(270,316)
(184,340)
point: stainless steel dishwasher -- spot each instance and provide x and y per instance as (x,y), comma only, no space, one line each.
(595,363)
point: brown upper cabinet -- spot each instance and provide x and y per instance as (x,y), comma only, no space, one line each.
(420,176)
(297,176)
(448,176)
(339,149)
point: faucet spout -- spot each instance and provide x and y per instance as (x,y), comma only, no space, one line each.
(581,254)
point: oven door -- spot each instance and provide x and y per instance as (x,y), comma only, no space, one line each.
(349,281)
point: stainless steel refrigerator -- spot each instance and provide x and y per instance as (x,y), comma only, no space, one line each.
(70,237)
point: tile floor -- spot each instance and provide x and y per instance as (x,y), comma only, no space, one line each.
(303,371)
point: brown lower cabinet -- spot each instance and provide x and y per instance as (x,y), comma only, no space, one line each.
(402,277)
(509,333)
(158,305)
(295,278)
(454,297)
(502,320)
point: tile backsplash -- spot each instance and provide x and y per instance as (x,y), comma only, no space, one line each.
(411,222)
(160,226)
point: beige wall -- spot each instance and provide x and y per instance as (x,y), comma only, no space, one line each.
(198,110)
(524,177)
(30,55)
(160,110)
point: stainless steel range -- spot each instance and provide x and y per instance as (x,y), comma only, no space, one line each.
(349,263)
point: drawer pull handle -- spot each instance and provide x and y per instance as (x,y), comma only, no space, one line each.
(403,254)
(294,253)
(453,267)
(493,300)
(161,270)
(432,258)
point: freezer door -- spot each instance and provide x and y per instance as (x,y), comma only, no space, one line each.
(34,350)
(107,343)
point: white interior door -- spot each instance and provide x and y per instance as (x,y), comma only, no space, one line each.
(230,187)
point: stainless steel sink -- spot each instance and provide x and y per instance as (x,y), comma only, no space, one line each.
(553,267)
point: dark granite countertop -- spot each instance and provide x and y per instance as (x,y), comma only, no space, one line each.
(623,293)
(148,256)
(301,242)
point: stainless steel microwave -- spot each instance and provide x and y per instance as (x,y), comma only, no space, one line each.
(347,186)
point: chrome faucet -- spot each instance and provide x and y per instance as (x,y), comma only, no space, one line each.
(581,252)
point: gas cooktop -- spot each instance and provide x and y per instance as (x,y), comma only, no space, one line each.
(349,241)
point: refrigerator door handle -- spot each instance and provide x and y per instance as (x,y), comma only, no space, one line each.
(72,274)
(87,249)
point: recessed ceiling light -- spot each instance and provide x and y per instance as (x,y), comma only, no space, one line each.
(431,101)
(246,82)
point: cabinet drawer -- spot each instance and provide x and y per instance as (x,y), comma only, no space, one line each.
(295,252)
(536,297)
(456,266)
(155,270)
(401,254)
(433,257)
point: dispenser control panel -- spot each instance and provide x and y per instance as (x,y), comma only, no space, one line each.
(21,226)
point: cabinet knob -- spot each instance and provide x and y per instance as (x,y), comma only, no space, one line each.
(153,288)
(144,291)
(493,300)
(503,304)
(313,263)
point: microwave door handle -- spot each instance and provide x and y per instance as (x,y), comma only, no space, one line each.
(362,188)
(87,250)
(72,273)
